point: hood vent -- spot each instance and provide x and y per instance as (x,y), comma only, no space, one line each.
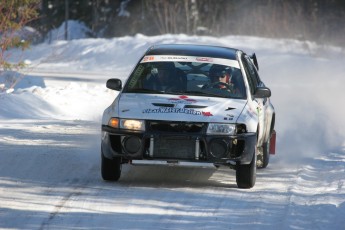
(163,105)
(173,105)
(195,106)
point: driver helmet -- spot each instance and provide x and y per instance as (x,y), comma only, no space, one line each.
(220,71)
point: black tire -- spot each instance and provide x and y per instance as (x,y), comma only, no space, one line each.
(246,174)
(110,168)
(265,158)
(266,153)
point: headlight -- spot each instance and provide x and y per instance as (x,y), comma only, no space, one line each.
(127,124)
(132,124)
(218,128)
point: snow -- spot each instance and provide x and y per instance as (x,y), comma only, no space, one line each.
(50,145)
(75,30)
(122,12)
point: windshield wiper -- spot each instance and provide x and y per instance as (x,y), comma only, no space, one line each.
(200,93)
(141,90)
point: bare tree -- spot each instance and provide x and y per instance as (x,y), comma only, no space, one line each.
(163,15)
(14,15)
(174,16)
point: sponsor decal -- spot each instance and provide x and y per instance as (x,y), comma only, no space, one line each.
(178,111)
(173,58)
(258,111)
(207,114)
(148,58)
(229,117)
(182,100)
(204,59)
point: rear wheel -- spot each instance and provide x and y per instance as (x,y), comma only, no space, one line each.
(264,155)
(246,174)
(264,151)
(110,168)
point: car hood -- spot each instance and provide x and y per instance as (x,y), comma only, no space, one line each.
(179,107)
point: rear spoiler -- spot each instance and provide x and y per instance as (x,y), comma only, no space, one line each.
(255,61)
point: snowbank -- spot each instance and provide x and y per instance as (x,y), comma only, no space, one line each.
(75,30)
(50,131)
(306,82)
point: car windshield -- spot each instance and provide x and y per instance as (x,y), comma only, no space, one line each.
(187,78)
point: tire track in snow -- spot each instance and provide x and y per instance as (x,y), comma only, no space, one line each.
(60,205)
(317,190)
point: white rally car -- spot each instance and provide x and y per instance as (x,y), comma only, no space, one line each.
(190,105)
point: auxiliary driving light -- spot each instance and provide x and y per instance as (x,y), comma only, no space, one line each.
(132,144)
(219,148)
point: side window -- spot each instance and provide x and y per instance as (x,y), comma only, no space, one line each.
(253,76)
(253,71)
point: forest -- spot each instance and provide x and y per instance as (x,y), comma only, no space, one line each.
(321,21)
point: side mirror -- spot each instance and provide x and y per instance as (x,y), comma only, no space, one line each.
(114,84)
(262,92)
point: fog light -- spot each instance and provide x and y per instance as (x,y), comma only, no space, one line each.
(132,144)
(218,149)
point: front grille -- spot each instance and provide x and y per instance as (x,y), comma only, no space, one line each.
(176,127)
(174,148)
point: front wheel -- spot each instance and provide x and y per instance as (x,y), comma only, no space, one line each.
(110,168)
(246,174)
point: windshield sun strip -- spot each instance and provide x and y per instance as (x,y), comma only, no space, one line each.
(196,59)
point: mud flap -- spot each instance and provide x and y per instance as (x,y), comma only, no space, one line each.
(273,143)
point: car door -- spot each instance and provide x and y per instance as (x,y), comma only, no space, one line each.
(258,104)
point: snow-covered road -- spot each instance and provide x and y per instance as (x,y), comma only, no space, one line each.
(50,143)
(49,179)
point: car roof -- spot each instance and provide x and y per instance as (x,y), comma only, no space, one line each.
(193,50)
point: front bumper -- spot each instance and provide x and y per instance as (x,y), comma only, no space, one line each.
(190,147)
